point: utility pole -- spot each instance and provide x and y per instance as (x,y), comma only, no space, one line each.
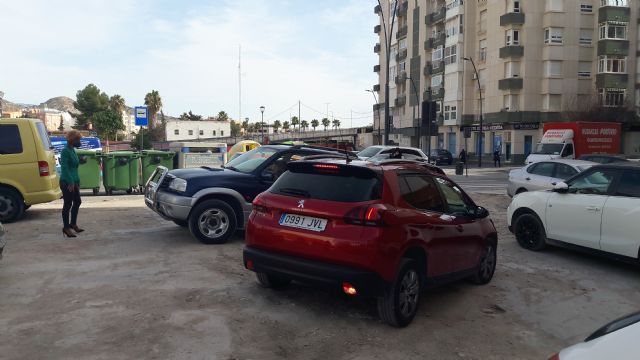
(239,82)
(480,130)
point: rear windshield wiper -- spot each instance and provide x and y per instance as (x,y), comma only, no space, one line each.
(230,168)
(296,192)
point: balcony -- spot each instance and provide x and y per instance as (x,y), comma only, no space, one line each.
(434,68)
(401,55)
(376,87)
(402,32)
(614,13)
(512,51)
(613,47)
(510,84)
(401,100)
(436,17)
(376,68)
(433,43)
(512,19)
(403,8)
(377,29)
(377,9)
(434,94)
(612,81)
(376,49)
(401,79)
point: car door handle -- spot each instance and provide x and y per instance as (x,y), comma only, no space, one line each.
(460,228)
(593,208)
(528,179)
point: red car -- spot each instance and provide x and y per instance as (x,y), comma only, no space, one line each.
(384,230)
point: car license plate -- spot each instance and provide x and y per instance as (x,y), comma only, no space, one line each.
(303,222)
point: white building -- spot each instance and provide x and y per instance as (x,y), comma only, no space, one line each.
(177,130)
(129,121)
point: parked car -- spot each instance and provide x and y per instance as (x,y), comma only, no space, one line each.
(441,156)
(214,202)
(596,210)
(544,175)
(3,239)
(616,340)
(604,159)
(376,150)
(27,167)
(384,230)
(398,153)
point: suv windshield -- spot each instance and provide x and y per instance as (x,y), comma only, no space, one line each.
(548,149)
(369,152)
(330,186)
(249,161)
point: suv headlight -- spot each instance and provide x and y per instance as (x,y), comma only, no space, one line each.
(178,185)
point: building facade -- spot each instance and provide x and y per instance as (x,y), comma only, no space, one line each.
(535,61)
(178,130)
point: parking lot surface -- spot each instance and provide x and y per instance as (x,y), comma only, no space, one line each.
(134,286)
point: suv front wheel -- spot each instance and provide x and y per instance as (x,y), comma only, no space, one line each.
(212,222)
(399,304)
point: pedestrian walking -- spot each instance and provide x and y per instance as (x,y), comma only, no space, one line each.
(70,184)
(496,158)
(463,156)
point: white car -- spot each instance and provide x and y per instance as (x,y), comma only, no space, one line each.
(599,209)
(616,340)
(544,175)
(378,150)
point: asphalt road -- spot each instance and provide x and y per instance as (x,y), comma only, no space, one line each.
(485,181)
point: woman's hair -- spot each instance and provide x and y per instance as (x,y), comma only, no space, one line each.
(73,136)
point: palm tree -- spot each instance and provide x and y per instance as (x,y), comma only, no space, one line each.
(294,122)
(277,125)
(336,124)
(314,124)
(222,116)
(304,124)
(325,123)
(154,103)
(245,126)
(117,104)
(285,126)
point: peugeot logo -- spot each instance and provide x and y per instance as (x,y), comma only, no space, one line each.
(301,204)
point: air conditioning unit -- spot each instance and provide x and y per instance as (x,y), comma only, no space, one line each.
(515,75)
(474,76)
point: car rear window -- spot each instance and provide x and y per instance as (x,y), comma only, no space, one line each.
(345,186)
(10,141)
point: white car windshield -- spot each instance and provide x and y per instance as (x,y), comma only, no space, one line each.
(369,152)
(548,149)
(249,161)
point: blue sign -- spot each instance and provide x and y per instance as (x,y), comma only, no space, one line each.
(142,116)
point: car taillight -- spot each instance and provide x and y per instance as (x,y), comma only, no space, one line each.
(43,168)
(555,357)
(369,215)
(260,206)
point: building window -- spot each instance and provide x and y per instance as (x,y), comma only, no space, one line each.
(190,132)
(402,44)
(554,5)
(586,8)
(201,132)
(612,98)
(511,102)
(221,132)
(512,69)
(437,54)
(450,55)
(483,79)
(436,81)
(483,50)
(615,32)
(553,35)
(553,102)
(612,64)
(452,30)
(483,21)
(553,68)
(584,69)
(622,3)
(450,112)
(513,37)
(402,67)
(214,133)
(586,37)
(515,6)
(176,132)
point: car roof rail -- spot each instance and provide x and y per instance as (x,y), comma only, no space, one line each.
(410,162)
(325,156)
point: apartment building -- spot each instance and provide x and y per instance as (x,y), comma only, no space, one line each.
(535,61)
(177,130)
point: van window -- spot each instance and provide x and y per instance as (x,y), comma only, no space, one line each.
(568,150)
(44,136)
(10,141)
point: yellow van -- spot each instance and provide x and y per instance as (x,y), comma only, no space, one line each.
(27,167)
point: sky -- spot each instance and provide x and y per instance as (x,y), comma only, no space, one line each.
(317,52)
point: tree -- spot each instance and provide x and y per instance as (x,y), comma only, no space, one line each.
(235,128)
(304,124)
(108,124)
(190,116)
(314,124)
(146,138)
(154,104)
(325,123)
(89,101)
(285,126)
(277,125)
(61,127)
(222,116)
(117,104)
(245,125)
(336,124)
(294,122)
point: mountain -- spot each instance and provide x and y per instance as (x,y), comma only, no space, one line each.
(62,103)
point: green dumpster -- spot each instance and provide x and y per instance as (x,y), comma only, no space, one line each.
(151,159)
(120,171)
(89,169)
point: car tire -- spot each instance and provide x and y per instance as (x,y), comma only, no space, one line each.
(212,222)
(399,305)
(487,266)
(521,190)
(182,223)
(11,205)
(530,232)
(272,281)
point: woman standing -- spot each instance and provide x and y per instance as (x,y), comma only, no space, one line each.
(70,184)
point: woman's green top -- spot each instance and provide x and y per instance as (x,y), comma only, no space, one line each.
(69,166)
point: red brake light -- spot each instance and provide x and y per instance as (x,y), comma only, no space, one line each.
(365,215)
(349,289)
(43,168)
(260,206)
(326,166)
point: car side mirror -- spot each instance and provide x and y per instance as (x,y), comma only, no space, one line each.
(268,176)
(481,212)
(561,187)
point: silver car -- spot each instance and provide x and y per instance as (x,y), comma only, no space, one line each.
(381,150)
(544,175)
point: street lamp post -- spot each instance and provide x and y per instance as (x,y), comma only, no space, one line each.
(415,90)
(388,39)
(262,123)
(481,130)
(375,98)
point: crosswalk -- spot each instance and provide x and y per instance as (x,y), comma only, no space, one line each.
(482,184)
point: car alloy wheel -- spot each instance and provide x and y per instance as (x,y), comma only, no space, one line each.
(399,304)
(530,232)
(408,296)
(486,267)
(213,223)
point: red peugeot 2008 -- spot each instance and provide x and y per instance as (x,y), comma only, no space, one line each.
(384,230)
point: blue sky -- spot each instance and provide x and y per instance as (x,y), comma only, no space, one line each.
(314,51)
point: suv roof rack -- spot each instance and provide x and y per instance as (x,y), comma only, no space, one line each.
(412,162)
(328,156)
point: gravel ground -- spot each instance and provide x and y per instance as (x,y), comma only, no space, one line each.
(134,286)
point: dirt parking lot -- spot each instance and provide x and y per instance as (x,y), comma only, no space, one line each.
(134,286)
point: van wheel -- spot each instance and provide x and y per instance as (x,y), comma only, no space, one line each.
(11,205)
(399,305)
(212,222)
